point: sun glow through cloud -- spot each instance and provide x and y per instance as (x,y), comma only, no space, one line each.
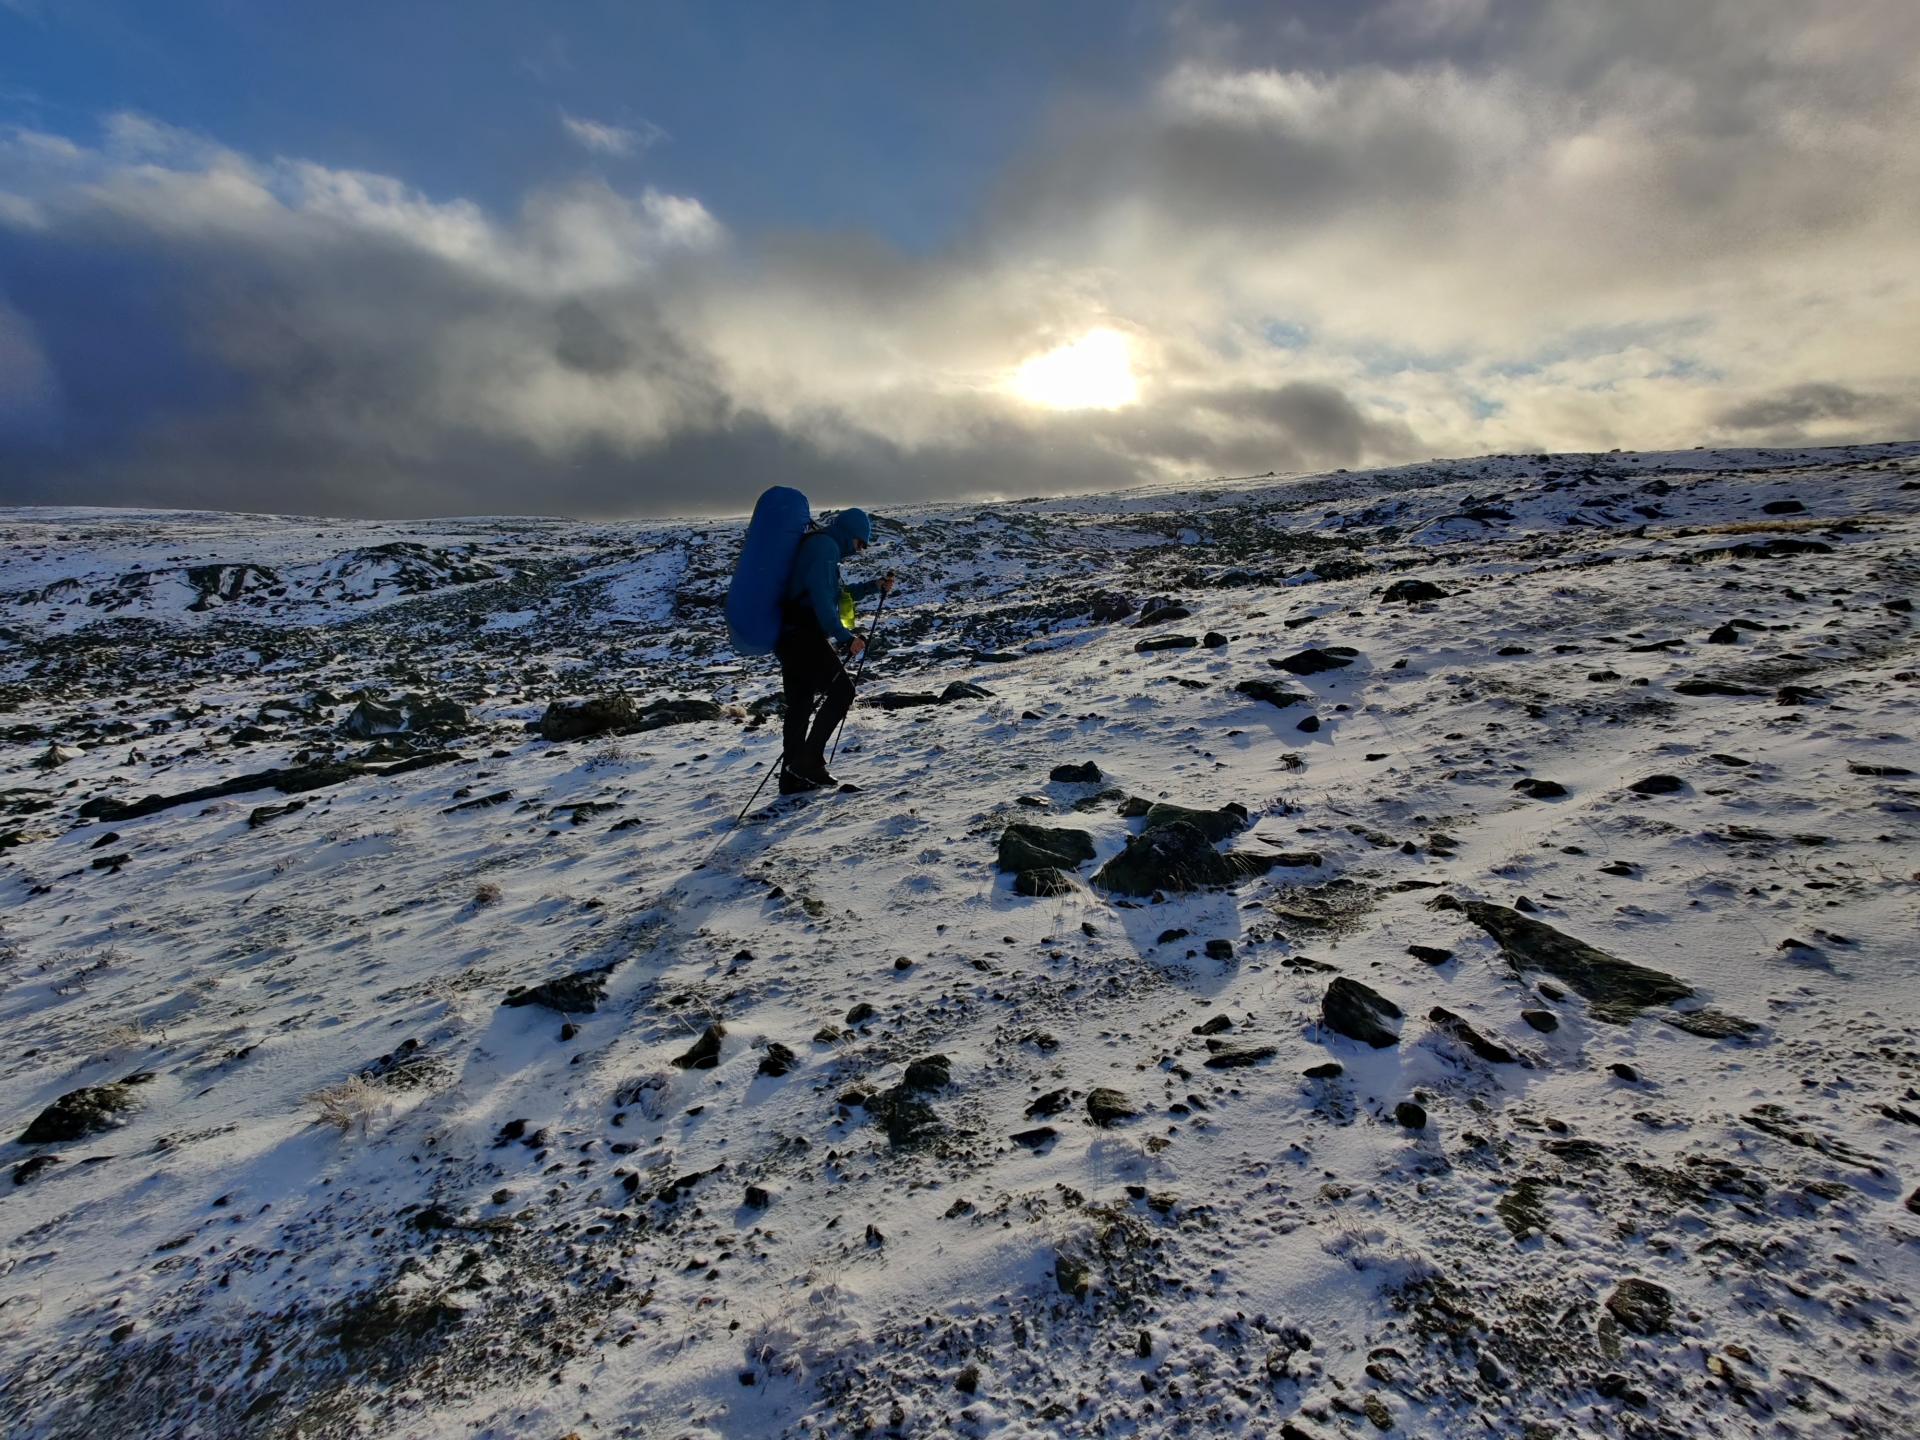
(1094,372)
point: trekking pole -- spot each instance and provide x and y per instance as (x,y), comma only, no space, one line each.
(778,760)
(873,633)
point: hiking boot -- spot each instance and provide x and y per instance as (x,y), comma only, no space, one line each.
(793,782)
(815,769)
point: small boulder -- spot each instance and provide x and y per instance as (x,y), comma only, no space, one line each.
(1479,1044)
(1316,660)
(87,1111)
(1658,785)
(1106,1107)
(1412,592)
(1273,694)
(1044,882)
(1360,1012)
(1036,847)
(705,1052)
(1641,1306)
(1535,789)
(1229,820)
(1411,1114)
(1087,774)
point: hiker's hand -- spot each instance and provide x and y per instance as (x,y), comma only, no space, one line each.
(886,583)
(855,647)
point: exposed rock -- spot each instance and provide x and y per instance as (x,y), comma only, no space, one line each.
(1712,1024)
(1411,1114)
(964,690)
(618,715)
(779,1060)
(293,781)
(1051,1103)
(1316,660)
(1325,1070)
(1431,954)
(1271,693)
(1218,1025)
(1616,989)
(86,1111)
(1540,789)
(1229,820)
(1086,774)
(1412,592)
(1174,857)
(410,714)
(1037,1138)
(32,1166)
(1166,642)
(1359,1012)
(1545,1021)
(1162,614)
(1035,847)
(1228,1055)
(1641,1306)
(927,1074)
(1658,785)
(1043,882)
(705,1052)
(1712,687)
(1479,1044)
(577,994)
(1106,1107)
(1213,640)
(908,1120)
(262,814)
(1219,948)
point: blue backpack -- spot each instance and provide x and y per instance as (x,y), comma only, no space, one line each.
(780,520)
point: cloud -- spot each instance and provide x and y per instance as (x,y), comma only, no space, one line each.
(1345,235)
(618,141)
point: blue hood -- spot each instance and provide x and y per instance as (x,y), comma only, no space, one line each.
(849,526)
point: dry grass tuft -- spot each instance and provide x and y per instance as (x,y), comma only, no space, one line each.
(487,894)
(351,1104)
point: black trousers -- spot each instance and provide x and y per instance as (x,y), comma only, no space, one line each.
(810,671)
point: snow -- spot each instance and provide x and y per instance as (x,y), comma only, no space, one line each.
(426,1272)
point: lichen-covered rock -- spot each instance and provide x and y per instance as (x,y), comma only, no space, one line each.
(1229,820)
(87,1111)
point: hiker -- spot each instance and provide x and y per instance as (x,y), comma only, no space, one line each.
(816,614)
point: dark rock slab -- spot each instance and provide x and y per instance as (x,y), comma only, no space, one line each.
(1317,660)
(1084,774)
(577,994)
(1229,1055)
(1044,882)
(1616,989)
(1712,1024)
(1271,693)
(1174,857)
(1712,687)
(1535,789)
(1412,592)
(1360,1012)
(1456,1026)
(779,1060)
(1431,954)
(1658,785)
(86,1111)
(1036,847)
(927,1074)
(1166,642)
(294,780)
(964,690)
(619,715)
(1222,824)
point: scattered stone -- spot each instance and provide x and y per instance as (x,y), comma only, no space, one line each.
(1431,954)
(1219,949)
(263,813)
(779,1060)
(1712,1024)
(1086,774)
(1162,615)
(1166,642)
(1360,1012)
(1051,1103)
(1411,1114)
(1783,507)
(1545,1021)
(705,1052)
(1037,1138)
(1412,592)
(1623,1071)
(32,1166)
(1213,640)
(1712,687)
(757,1198)
(860,1014)
(1310,725)
(1215,1026)
(1880,772)
(1540,789)
(1724,635)
(1325,1070)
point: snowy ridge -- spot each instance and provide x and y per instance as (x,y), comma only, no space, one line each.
(1659,704)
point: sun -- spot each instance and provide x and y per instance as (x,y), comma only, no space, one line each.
(1094,372)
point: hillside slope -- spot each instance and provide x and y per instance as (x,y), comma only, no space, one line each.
(1583,790)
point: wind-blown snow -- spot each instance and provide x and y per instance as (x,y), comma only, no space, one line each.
(535,1224)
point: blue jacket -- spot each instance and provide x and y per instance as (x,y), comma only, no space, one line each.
(816,571)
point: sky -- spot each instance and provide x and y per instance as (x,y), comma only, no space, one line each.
(647,257)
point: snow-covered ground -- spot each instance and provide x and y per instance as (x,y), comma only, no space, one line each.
(1536,1210)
